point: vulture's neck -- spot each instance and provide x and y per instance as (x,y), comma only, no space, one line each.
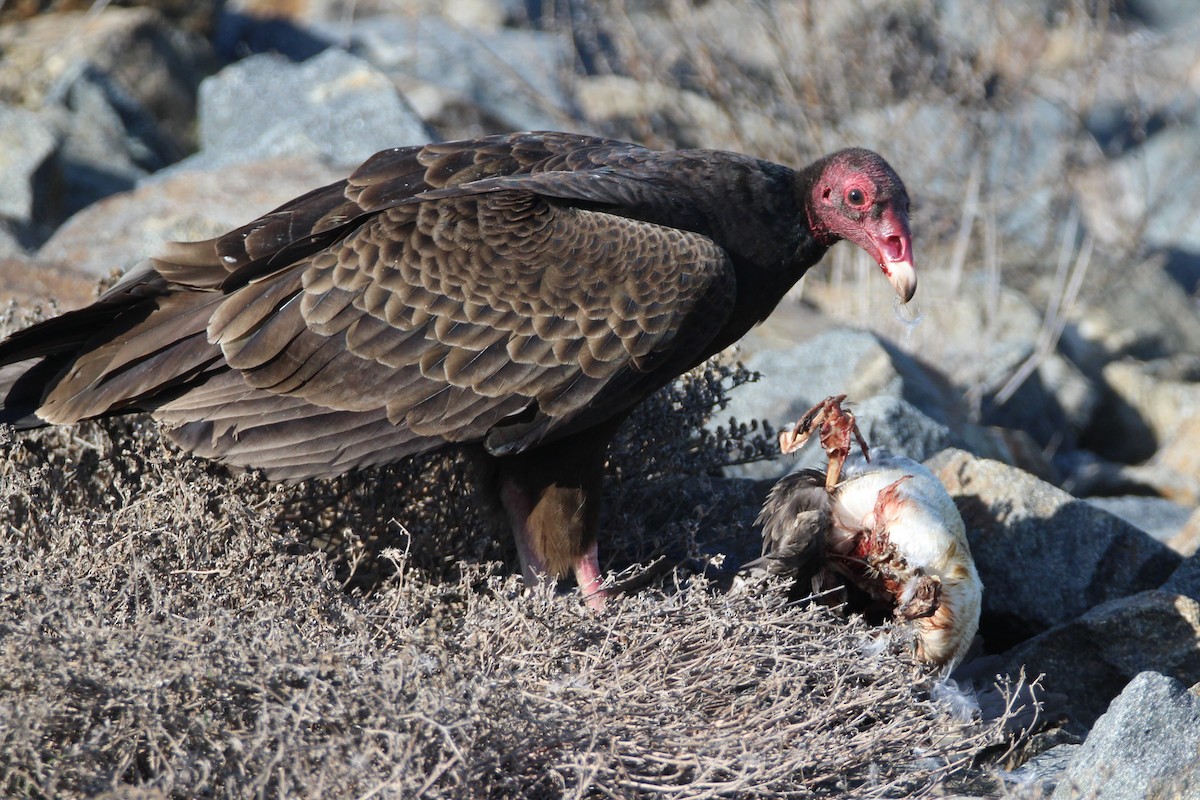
(770,238)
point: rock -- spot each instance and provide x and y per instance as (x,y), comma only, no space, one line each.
(10,241)
(192,15)
(1186,579)
(1044,556)
(980,336)
(333,107)
(1025,143)
(684,118)
(28,282)
(1161,518)
(859,365)
(1045,769)
(1187,541)
(1144,745)
(120,230)
(247,27)
(1053,401)
(109,142)
(512,76)
(1143,413)
(153,65)
(1179,459)
(1163,404)
(1086,474)
(1092,658)
(1133,197)
(1018,449)
(27,141)
(1166,15)
(892,423)
(120,98)
(1109,320)
(792,323)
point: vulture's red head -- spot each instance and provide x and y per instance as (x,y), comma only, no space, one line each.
(857,196)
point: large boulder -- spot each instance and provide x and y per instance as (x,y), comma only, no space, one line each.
(115,88)
(1090,660)
(1145,745)
(119,231)
(333,107)
(988,340)
(512,78)
(1044,556)
(928,413)
(27,142)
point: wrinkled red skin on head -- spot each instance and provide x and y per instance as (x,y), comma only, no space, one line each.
(860,198)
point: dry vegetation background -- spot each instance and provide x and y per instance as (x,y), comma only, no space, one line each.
(168,627)
(170,630)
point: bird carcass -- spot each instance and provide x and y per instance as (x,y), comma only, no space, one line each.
(880,534)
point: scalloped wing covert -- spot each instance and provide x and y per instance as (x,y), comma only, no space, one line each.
(457,314)
(511,289)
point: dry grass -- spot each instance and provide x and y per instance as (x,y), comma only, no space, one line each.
(157,632)
(167,627)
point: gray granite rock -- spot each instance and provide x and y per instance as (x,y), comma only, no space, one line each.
(333,107)
(1186,579)
(987,340)
(1090,659)
(152,67)
(893,423)
(1145,745)
(862,366)
(10,241)
(27,141)
(1187,541)
(844,361)
(1109,321)
(512,75)
(1044,556)
(1166,15)
(119,100)
(1044,770)
(1157,516)
(1160,403)
(121,230)
(1135,195)
(109,142)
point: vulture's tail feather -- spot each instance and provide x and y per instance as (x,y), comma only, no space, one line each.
(129,350)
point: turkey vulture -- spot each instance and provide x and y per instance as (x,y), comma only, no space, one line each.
(520,293)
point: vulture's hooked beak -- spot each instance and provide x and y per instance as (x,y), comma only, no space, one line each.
(893,251)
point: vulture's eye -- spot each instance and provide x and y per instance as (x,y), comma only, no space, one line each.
(855,197)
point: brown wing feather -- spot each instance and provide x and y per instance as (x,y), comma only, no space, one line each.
(508,302)
(286,437)
(448,292)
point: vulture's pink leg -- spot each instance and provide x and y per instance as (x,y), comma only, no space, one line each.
(587,575)
(534,566)
(552,496)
